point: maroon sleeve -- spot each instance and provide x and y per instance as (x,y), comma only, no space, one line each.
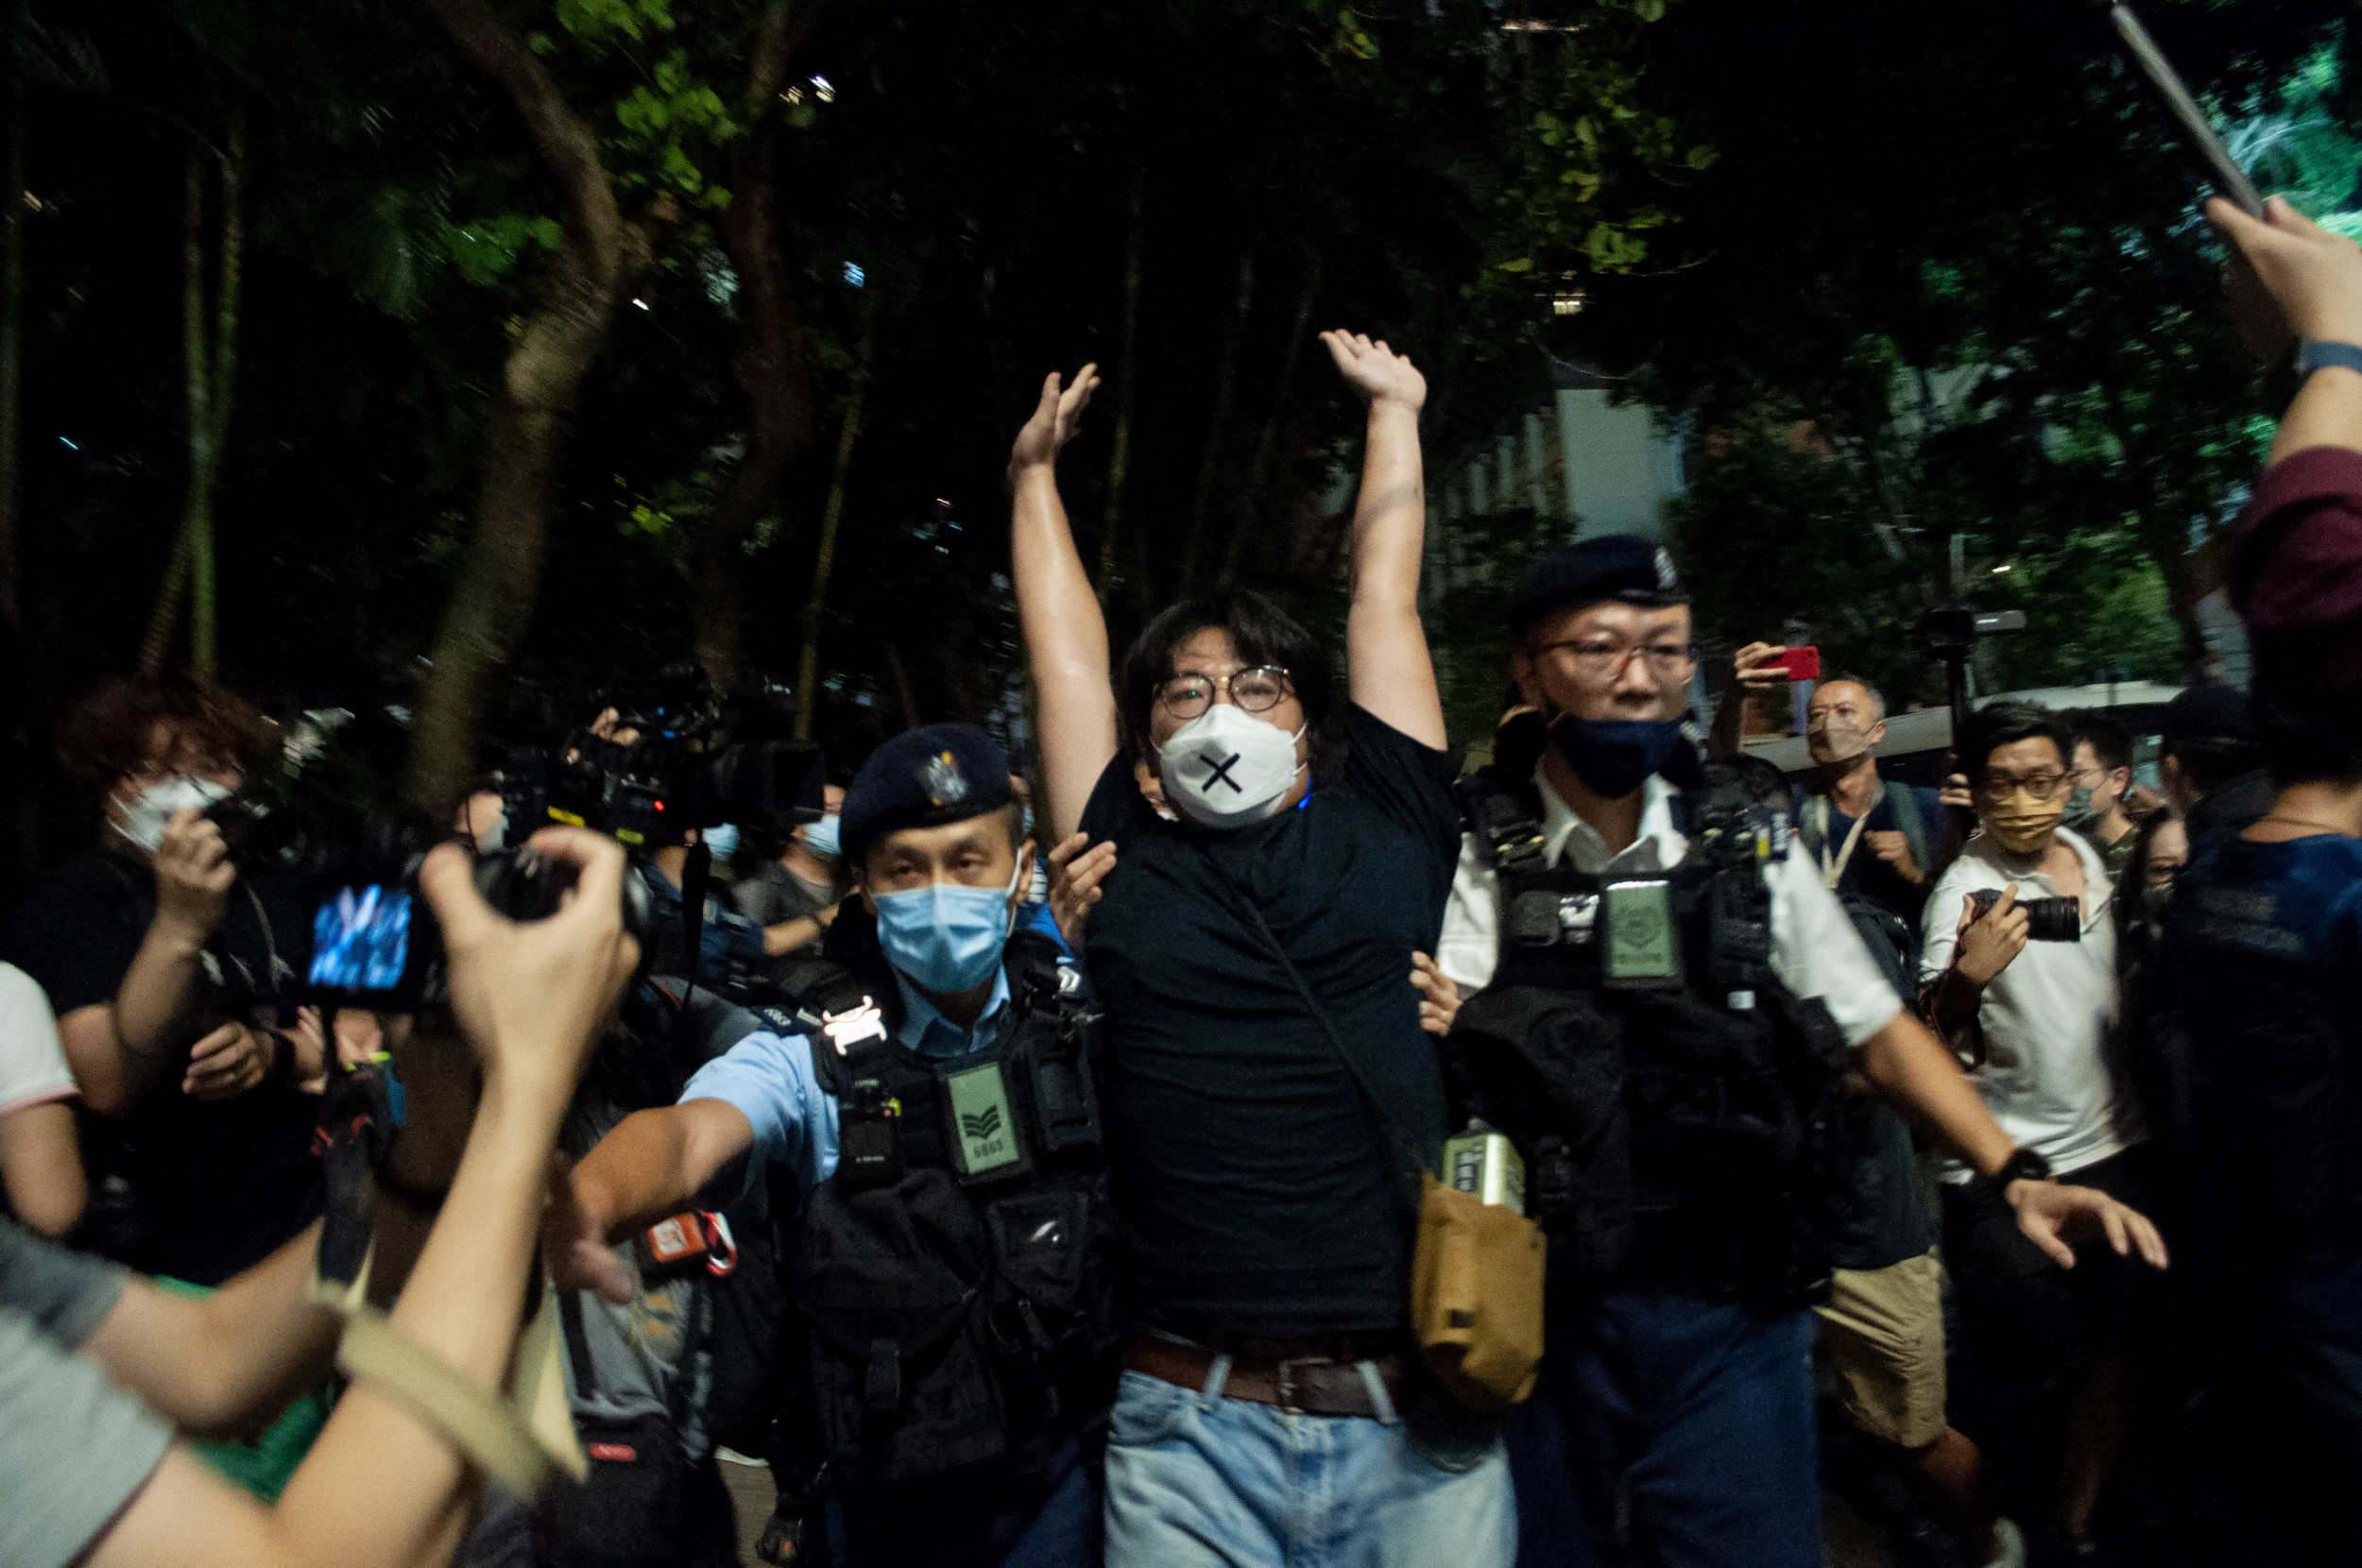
(2296,566)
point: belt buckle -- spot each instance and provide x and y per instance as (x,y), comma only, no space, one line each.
(1284,1386)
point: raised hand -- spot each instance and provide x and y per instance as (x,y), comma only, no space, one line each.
(1055,419)
(1751,666)
(1074,878)
(2310,279)
(1375,371)
(532,996)
(193,874)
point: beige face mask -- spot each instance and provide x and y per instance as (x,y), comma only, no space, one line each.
(1837,741)
(2022,827)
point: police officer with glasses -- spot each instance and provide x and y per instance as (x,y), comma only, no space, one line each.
(1667,1000)
(929,1122)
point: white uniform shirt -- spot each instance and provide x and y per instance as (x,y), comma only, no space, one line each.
(1815,949)
(2045,1017)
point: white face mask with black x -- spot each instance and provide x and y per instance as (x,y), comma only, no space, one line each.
(1226,768)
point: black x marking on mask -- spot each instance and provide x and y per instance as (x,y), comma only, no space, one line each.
(1219,773)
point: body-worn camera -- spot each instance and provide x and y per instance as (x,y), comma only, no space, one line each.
(688,757)
(2046,919)
(374,942)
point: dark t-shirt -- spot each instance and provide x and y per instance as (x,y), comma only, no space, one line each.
(1257,1192)
(1865,873)
(192,1188)
(2265,942)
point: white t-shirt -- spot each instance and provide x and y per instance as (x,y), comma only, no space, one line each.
(1815,949)
(32,1062)
(2044,1018)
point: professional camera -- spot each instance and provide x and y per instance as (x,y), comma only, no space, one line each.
(373,939)
(679,756)
(2046,919)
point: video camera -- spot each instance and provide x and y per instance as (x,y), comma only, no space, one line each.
(678,755)
(373,941)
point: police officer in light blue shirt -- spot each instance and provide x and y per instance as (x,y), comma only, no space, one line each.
(927,1016)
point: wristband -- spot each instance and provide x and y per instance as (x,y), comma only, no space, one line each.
(2023,1165)
(2314,354)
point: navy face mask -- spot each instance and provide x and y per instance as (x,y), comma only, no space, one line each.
(1614,756)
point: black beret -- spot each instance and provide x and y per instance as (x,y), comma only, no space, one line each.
(2209,718)
(1622,567)
(923,777)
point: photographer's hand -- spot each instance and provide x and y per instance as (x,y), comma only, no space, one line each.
(1751,666)
(532,997)
(228,1061)
(1987,946)
(192,875)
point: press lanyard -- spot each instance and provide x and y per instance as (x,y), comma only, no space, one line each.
(1832,872)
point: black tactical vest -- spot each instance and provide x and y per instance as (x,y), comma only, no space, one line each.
(951,1286)
(1684,1130)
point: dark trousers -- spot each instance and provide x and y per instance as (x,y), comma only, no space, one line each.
(1042,1513)
(1669,1431)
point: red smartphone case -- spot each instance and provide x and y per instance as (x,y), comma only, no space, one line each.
(1801,663)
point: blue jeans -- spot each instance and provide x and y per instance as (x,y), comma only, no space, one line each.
(1669,1431)
(1195,1479)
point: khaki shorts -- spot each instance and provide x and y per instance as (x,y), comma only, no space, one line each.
(1882,1349)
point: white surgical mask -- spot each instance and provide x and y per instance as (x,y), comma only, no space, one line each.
(1226,768)
(146,816)
(722,841)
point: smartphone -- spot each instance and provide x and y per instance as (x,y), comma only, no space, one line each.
(365,941)
(2231,180)
(1800,663)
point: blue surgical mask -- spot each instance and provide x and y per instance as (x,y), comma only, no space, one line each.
(1614,756)
(820,837)
(722,841)
(947,936)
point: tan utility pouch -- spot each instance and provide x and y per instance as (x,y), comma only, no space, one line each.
(1475,1296)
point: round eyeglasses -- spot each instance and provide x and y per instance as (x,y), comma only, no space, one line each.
(1255,689)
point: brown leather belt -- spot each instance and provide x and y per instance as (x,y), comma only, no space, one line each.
(1321,1382)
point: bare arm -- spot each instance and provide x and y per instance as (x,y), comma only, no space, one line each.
(1065,636)
(655,1163)
(801,931)
(118,1048)
(1911,1070)
(382,1486)
(41,1166)
(227,1365)
(1387,666)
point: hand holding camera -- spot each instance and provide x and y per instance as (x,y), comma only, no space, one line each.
(194,875)
(1990,938)
(533,995)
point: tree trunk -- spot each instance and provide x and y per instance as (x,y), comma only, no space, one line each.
(210,361)
(808,668)
(595,265)
(771,365)
(12,303)
(1119,462)
(1242,525)
(1226,382)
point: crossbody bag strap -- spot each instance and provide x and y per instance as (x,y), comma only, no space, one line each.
(1389,1131)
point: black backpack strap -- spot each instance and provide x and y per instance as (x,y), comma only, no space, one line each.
(1907,821)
